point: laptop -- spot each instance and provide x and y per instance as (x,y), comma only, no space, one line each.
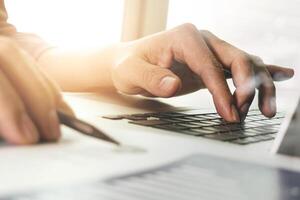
(197,123)
(198,176)
(176,164)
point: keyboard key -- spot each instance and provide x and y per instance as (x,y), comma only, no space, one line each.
(113,117)
(265,137)
(149,122)
(183,119)
(255,128)
(134,117)
(212,123)
(223,136)
(279,115)
(276,121)
(172,114)
(268,122)
(234,127)
(201,132)
(198,124)
(210,117)
(172,120)
(252,125)
(211,129)
(255,139)
(254,112)
(247,140)
(248,132)
(220,121)
(266,130)
(192,125)
(195,118)
(143,115)
(173,127)
(218,129)
(194,132)
(192,112)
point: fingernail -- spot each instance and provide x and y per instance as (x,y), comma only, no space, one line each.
(30,132)
(243,111)
(54,126)
(167,83)
(235,114)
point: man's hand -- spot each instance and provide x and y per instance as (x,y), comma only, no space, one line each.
(28,99)
(151,66)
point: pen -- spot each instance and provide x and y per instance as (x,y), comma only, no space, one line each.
(84,127)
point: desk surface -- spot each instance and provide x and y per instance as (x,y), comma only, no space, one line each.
(78,158)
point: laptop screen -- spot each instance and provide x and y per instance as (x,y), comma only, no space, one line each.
(288,140)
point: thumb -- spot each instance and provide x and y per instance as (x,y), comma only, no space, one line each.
(156,80)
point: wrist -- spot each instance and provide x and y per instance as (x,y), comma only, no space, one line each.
(81,70)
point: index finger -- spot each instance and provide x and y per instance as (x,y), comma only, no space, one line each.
(201,60)
(248,73)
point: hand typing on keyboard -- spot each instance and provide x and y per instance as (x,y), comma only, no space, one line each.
(185,59)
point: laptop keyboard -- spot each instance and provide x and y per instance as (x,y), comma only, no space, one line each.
(255,128)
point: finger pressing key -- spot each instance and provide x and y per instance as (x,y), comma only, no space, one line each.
(202,62)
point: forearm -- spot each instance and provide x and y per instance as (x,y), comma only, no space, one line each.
(79,70)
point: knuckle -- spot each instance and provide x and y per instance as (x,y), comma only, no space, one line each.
(243,61)
(189,27)
(209,64)
(206,33)
(256,59)
(270,85)
(266,81)
(244,57)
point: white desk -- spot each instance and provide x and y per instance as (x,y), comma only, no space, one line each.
(78,158)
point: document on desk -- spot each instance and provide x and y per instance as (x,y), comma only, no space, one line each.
(196,177)
(75,157)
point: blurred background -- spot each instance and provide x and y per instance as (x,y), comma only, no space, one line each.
(69,23)
(268,28)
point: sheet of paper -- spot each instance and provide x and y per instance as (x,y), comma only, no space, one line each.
(75,157)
